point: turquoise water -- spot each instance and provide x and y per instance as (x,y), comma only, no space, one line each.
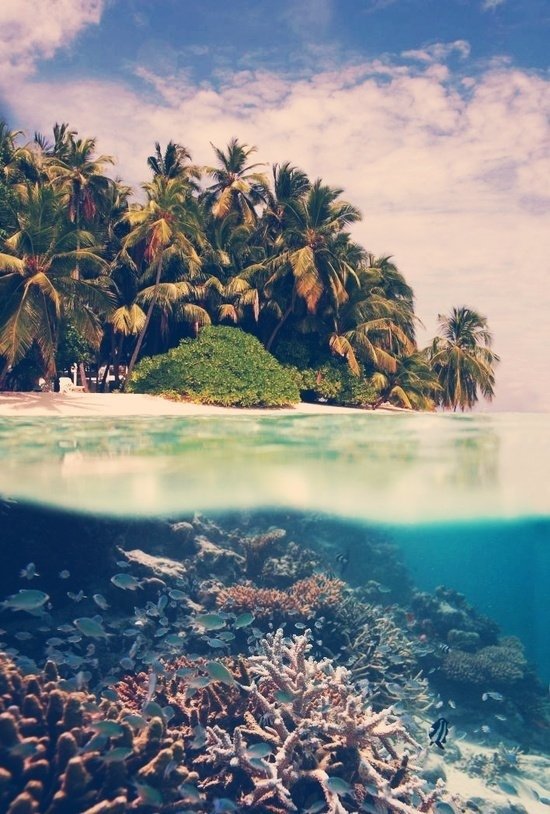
(438,527)
(384,468)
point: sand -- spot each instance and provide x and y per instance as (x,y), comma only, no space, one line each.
(96,405)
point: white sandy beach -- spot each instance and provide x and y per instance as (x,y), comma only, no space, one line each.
(94,405)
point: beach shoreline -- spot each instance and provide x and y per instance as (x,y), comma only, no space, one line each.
(112,405)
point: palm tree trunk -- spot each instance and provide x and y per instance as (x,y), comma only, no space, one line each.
(280,324)
(83,378)
(141,336)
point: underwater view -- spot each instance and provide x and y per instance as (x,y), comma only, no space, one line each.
(274,613)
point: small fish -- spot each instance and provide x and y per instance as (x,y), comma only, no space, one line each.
(23,636)
(495,696)
(148,795)
(210,621)
(55,641)
(126,581)
(26,600)
(123,564)
(199,739)
(243,620)
(283,696)
(29,571)
(64,574)
(339,786)
(451,704)
(127,663)
(111,729)
(259,750)
(219,672)
(501,717)
(173,640)
(136,721)
(168,713)
(177,595)
(438,732)
(100,601)
(77,597)
(90,627)
(216,643)
(82,678)
(153,710)
(151,687)
(485,729)
(444,648)
(343,561)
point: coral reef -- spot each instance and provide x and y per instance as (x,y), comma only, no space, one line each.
(274,732)
(304,599)
(498,665)
(316,738)
(379,654)
(446,613)
(64,752)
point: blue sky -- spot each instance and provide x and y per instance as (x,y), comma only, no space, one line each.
(431,114)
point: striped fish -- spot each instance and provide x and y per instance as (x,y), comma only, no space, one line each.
(438,732)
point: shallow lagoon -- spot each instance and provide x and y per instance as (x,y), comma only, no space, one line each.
(456,501)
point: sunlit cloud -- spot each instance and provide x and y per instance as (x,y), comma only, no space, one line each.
(490,5)
(36,29)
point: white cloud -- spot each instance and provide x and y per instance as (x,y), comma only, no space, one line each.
(449,172)
(490,5)
(439,51)
(36,29)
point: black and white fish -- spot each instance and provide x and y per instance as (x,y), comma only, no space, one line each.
(438,732)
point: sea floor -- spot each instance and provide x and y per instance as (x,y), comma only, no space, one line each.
(237,663)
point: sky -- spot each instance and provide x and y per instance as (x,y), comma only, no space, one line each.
(431,115)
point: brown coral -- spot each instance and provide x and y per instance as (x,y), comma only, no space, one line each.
(63,752)
(305,598)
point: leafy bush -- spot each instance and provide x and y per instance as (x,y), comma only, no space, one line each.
(335,383)
(223,366)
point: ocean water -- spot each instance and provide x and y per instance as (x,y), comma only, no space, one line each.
(438,523)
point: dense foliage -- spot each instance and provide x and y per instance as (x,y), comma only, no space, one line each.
(235,244)
(224,366)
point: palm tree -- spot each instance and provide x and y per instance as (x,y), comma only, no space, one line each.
(376,325)
(165,232)
(75,171)
(290,184)
(412,384)
(174,163)
(312,265)
(462,359)
(38,287)
(237,187)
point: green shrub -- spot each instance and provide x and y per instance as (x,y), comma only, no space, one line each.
(223,366)
(335,383)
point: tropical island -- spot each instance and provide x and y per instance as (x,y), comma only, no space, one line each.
(233,284)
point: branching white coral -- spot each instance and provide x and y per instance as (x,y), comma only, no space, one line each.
(318,728)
